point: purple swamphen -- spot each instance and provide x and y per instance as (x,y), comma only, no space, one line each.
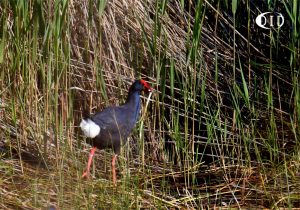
(112,126)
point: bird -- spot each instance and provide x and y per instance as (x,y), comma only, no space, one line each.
(111,127)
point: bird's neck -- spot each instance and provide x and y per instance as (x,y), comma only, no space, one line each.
(133,102)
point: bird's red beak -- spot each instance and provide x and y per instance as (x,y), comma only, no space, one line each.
(146,86)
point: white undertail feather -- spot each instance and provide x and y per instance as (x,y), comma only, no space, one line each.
(89,128)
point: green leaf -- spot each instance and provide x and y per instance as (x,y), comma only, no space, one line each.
(234,6)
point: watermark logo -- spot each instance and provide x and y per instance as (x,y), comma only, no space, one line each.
(268,20)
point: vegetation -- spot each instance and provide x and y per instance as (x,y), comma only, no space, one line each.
(222,130)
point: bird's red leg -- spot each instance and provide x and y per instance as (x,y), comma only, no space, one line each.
(87,171)
(113,163)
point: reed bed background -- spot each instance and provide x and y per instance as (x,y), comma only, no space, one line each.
(222,130)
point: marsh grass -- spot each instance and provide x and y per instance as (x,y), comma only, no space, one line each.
(221,130)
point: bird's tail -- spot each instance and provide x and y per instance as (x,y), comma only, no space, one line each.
(89,128)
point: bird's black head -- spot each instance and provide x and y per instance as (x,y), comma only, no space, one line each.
(140,85)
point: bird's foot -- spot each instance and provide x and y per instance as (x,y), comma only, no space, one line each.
(114,182)
(85,174)
(113,163)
